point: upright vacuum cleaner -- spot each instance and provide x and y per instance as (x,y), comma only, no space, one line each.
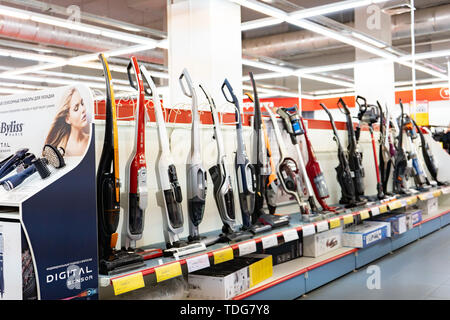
(195,173)
(245,171)
(169,195)
(136,169)
(223,190)
(111,261)
(343,172)
(400,160)
(261,168)
(292,125)
(369,114)
(354,155)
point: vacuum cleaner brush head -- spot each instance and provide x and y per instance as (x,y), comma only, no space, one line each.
(54,156)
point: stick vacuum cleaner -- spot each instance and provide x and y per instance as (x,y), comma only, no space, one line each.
(272,182)
(369,114)
(136,168)
(291,123)
(287,168)
(245,171)
(261,169)
(343,173)
(316,176)
(427,155)
(420,179)
(169,196)
(108,193)
(196,174)
(354,155)
(400,160)
(386,149)
(223,190)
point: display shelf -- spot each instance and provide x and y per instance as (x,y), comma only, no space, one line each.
(232,250)
(310,273)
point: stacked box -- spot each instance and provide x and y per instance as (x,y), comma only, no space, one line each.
(365,234)
(321,243)
(284,252)
(228,279)
(429,206)
(398,222)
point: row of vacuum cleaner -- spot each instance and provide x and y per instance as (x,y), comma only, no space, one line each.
(257,180)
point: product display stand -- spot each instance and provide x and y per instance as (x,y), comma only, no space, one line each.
(328,267)
(55,217)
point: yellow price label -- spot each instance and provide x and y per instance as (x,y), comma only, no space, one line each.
(168,271)
(364,214)
(223,255)
(383,208)
(348,219)
(394,205)
(411,200)
(128,283)
(437,193)
(423,196)
(334,223)
(260,271)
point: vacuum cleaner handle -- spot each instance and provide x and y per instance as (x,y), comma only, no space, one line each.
(185,74)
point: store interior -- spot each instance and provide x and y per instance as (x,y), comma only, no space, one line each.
(285,143)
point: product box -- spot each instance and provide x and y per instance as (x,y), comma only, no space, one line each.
(365,234)
(321,243)
(228,279)
(398,223)
(284,252)
(429,206)
(414,215)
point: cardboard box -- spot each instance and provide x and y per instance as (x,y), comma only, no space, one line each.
(416,215)
(429,206)
(398,223)
(228,279)
(365,234)
(321,243)
(284,252)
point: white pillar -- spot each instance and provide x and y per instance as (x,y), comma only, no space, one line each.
(205,38)
(375,80)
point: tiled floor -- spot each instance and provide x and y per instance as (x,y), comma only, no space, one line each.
(418,271)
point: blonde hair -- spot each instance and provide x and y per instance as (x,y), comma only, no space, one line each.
(60,130)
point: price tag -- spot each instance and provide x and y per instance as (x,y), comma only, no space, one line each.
(423,196)
(348,219)
(290,235)
(322,226)
(437,193)
(404,202)
(223,255)
(446,190)
(375,211)
(394,205)
(411,200)
(247,247)
(334,223)
(383,208)
(197,263)
(308,230)
(168,271)
(364,214)
(128,283)
(269,241)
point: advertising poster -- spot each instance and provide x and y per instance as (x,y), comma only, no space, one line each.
(58,213)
